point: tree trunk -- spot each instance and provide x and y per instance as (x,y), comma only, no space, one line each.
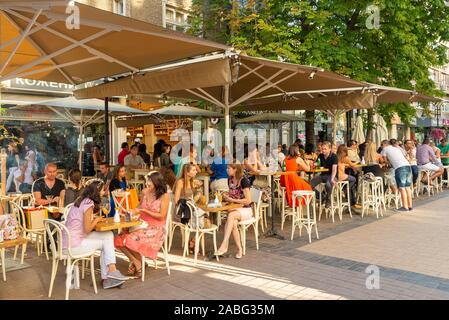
(310,126)
(370,129)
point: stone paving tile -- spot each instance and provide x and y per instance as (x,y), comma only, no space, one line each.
(407,248)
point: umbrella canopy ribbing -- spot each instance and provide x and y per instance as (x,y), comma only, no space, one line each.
(36,43)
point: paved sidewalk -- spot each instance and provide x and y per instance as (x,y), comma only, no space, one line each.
(410,250)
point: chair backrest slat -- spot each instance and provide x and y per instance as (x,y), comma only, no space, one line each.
(53,228)
(256,198)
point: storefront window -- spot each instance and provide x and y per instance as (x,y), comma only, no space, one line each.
(56,141)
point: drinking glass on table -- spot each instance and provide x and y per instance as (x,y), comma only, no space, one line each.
(49,198)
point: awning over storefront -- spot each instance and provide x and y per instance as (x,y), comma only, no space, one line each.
(39,40)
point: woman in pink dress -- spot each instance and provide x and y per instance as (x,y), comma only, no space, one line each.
(147,241)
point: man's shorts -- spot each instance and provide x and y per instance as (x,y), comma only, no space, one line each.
(403,176)
(429,166)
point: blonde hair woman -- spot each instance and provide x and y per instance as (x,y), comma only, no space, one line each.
(373,160)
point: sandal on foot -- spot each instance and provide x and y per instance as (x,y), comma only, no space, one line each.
(238,256)
(220,253)
(131,269)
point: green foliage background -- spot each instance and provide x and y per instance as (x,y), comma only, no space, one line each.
(333,34)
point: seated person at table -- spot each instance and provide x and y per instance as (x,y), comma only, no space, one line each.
(373,160)
(219,172)
(133,160)
(353,151)
(163,161)
(291,181)
(118,182)
(190,158)
(169,177)
(147,241)
(185,190)
(23,177)
(105,174)
(239,192)
(74,187)
(253,163)
(81,221)
(49,189)
(343,163)
(309,154)
(328,161)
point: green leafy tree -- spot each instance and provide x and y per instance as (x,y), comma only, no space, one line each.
(338,35)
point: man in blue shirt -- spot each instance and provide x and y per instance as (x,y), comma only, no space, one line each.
(219,173)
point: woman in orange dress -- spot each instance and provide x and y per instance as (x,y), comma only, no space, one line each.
(293,182)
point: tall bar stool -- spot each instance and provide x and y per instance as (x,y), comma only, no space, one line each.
(299,220)
(341,186)
(286,211)
(389,194)
(443,180)
(337,202)
(372,196)
(429,187)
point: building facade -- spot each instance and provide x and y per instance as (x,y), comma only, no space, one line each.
(172,14)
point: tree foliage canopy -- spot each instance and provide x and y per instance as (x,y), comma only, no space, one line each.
(337,35)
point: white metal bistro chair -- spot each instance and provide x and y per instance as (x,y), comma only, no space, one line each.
(164,247)
(71,255)
(38,233)
(65,212)
(120,198)
(256,196)
(194,227)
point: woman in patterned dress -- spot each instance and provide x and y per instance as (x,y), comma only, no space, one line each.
(148,240)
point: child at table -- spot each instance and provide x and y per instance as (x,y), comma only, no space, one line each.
(118,182)
(81,223)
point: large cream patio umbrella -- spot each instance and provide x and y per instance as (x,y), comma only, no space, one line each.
(381,132)
(358,134)
(39,40)
(69,42)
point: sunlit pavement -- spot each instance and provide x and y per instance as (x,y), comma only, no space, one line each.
(408,249)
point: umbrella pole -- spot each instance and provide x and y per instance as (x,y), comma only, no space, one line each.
(272,232)
(106,129)
(80,159)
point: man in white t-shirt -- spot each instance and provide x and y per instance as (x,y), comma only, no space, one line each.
(402,173)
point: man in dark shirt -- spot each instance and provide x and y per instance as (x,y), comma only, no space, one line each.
(49,190)
(328,161)
(105,173)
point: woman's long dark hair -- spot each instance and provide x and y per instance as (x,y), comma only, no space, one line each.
(75,177)
(92,192)
(293,152)
(159,183)
(116,170)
